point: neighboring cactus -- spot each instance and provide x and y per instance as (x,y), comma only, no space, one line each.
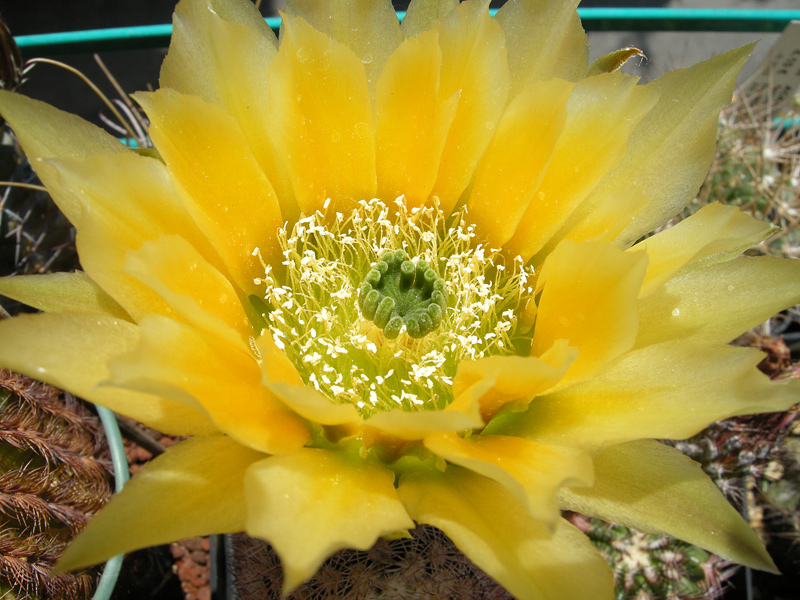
(50,483)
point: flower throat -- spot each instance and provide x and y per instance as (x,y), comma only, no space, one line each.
(378,307)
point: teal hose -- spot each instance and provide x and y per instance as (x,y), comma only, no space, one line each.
(594,19)
(120,462)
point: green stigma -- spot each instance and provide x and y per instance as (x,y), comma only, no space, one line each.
(397,292)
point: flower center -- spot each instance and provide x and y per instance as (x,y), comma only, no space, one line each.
(396,292)
(365,324)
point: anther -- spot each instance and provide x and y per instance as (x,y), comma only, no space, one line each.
(397,292)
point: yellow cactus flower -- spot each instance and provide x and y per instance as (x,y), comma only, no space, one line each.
(391,273)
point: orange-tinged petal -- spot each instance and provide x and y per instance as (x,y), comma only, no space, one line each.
(225,190)
(71,352)
(513,378)
(411,120)
(422,14)
(517,159)
(313,502)
(589,293)
(719,302)
(199,294)
(474,65)
(714,233)
(62,292)
(368,28)
(492,528)
(321,117)
(127,199)
(666,391)
(195,488)
(672,147)
(530,470)
(545,40)
(220,51)
(656,489)
(176,361)
(45,132)
(601,113)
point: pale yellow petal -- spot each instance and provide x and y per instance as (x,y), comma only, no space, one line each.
(368,27)
(462,414)
(411,120)
(127,199)
(422,14)
(514,379)
(224,190)
(714,233)
(656,489)
(178,362)
(313,502)
(544,39)
(61,292)
(720,302)
(491,527)
(46,132)
(673,145)
(514,164)
(601,114)
(195,488)
(321,117)
(220,51)
(665,391)
(198,293)
(589,293)
(531,471)
(474,65)
(71,352)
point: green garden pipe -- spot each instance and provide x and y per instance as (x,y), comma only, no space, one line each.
(594,19)
(108,579)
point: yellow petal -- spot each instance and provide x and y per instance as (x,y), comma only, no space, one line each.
(589,293)
(313,502)
(179,362)
(411,120)
(666,391)
(491,527)
(321,116)
(531,471)
(61,292)
(46,132)
(71,352)
(368,28)
(715,232)
(127,199)
(601,113)
(671,148)
(422,14)
(614,61)
(195,488)
(225,191)
(720,302)
(517,159)
(656,489)
(511,378)
(220,51)
(544,39)
(460,415)
(199,294)
(474,65)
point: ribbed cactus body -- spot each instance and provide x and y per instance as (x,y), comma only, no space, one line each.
(50,484)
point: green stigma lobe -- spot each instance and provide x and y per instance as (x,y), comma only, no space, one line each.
(397,292)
